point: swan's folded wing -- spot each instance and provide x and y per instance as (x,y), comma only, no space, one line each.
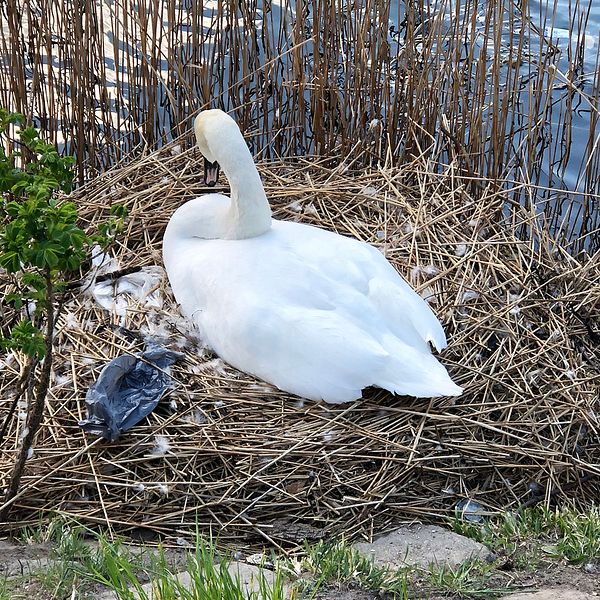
(314,353)
(406,314)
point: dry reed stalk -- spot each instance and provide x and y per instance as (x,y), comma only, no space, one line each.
(253,463)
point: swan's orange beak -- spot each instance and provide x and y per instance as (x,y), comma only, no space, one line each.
(211,173)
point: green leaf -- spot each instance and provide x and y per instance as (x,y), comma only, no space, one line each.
(15,300)
(10,261)
(119,210)
(28,339)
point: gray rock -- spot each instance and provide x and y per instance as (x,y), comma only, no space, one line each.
(552,594)
(422,545)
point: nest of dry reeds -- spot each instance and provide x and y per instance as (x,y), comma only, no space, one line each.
(230,453)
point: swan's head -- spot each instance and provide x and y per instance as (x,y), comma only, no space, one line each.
(216,134)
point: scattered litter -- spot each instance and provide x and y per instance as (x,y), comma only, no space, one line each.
(369,191)
(311,209)
(161,446)
(295,206)
(470,511)
(259,559)
(114,294)
(128,389)
(460,250)
(469,295)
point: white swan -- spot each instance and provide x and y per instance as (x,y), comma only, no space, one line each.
(312,312)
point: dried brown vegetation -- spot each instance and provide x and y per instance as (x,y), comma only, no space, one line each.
(249,461)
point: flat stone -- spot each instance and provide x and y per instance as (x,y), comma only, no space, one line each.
(422,545)
(562,593)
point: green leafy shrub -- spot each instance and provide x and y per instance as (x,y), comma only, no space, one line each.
(42,248)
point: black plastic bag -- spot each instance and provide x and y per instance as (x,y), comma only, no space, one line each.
(128,389)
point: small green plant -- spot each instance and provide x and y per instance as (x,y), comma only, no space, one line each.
(340,563)
(562,533)
(208,576)
(41,246)
(468,580)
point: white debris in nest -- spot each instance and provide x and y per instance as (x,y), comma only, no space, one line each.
(264,461)
(311,209)
(163,489)
(180,342)
(176,149)
(29,453)
(533,376)
(141,287)
(261,388)
(173,404)
(164,180)
(155,329)
(139,487)
(428,271)
(216,365)
(161,447)
(103,262)
(218,404)
(299,403)
(469,295)
(570,374)
(8,361)
(329,435)
(295,206)
(473,223)
(369,190)
(415,273)
(24,433)
(60,380)
(513,299)
(71,321)
(408,228)
(380,235)
(22,416)
(429,295)
(460,250)
(197,417)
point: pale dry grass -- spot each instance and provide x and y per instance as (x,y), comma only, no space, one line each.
(251,462)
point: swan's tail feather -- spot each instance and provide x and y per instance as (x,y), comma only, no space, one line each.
(412,373)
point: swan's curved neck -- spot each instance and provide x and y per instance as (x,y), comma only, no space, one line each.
(249,213)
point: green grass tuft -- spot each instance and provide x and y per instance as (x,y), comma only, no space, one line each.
(564,534)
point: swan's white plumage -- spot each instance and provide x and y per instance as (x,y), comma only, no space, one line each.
(314,313)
